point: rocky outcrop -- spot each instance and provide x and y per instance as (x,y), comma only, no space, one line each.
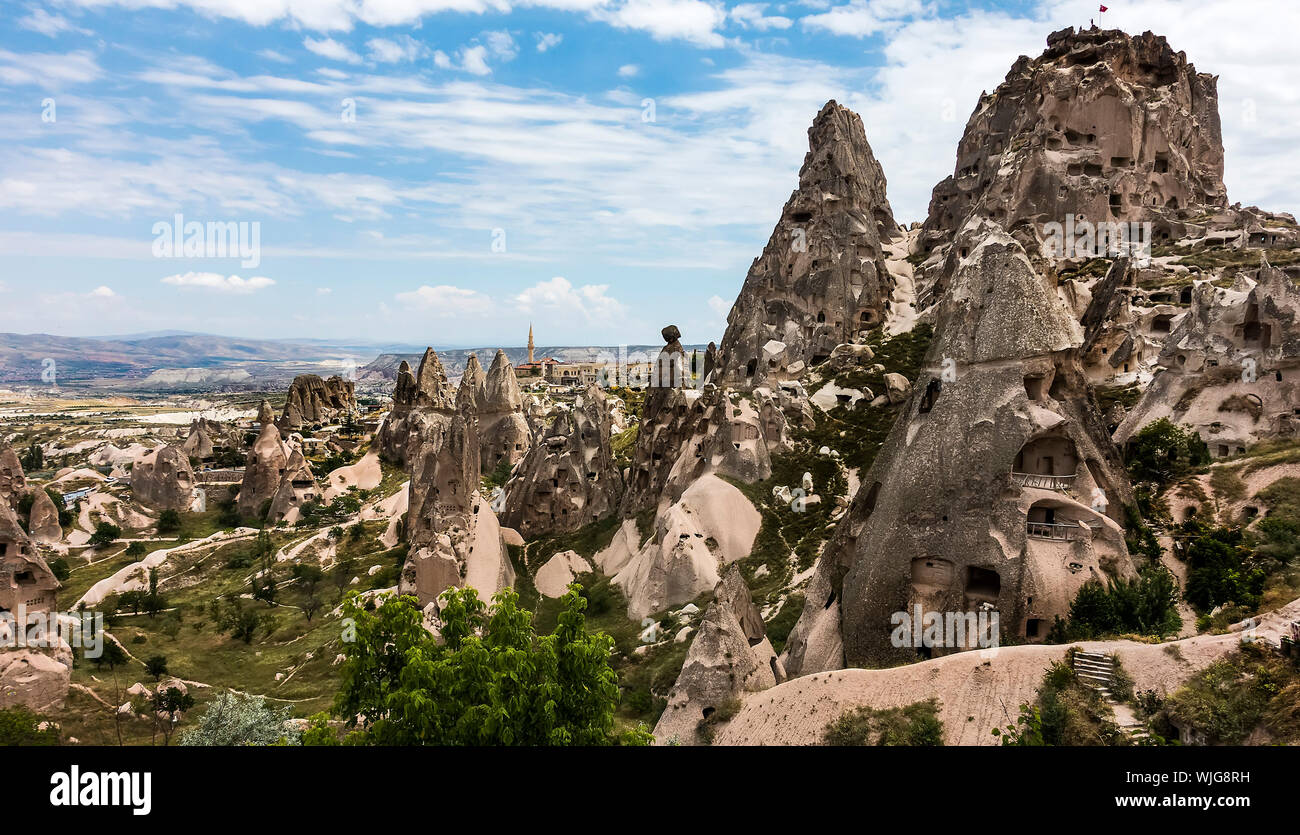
(455,537)
(266,464)
(25,579)
(12,480)
(729,655)
(43,524)
(568,479)
(1230,368)
(685,434)
(711,526)
(163,480)
(995,491)
(198,444)
(495,399)
(312,400)
(822,277)
(33,680)
(297,488)
(1103,126)
(504,434)
(423,405)
(554,577)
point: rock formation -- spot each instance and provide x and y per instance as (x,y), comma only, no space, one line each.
(996,490)
(12,480)
(198,444)
(43,524)
(297,488)
(822,277)
(504,434)
(24,577)
(163,480)
(695,537)
(312,400)
(1103,126)
(455,537)
(568,479)
(1231,366)
(33,680)
(266,464)
(730,655)
(423,405)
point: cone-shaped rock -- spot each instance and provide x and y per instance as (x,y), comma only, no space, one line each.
(822,277)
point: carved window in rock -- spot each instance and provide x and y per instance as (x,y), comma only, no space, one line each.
(932,390)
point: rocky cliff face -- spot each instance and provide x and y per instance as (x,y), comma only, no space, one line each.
(729,656)
(997,488)
(163,479)
(266,464)
(24,576)
(1104,126)
(504,434)
(423,405)
(454,535)
(43,524)
(822,276)
(12,479)
(297,487)
(312,400)
(1230,368)
(568,479)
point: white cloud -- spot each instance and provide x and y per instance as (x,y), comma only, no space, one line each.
(719,306)
(331,49)
(395,50)
(324,291)
(547,40)
(218,282)
(591,300)
(501,44)
(629,71)
(447,301)
(44,69)
(102,292)
(750,16)
(861,18)
(473,60)
(694,21)
(442,59)
(48,24)
(272,55)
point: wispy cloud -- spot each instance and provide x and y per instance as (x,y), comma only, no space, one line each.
(219,283)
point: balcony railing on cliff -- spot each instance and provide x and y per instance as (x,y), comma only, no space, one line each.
(1062,483)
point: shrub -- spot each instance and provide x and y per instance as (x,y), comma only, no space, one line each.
(917,724)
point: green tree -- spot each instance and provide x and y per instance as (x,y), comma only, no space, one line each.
(113,655)
(156,666)
(233,719)
(105,533)
(1162,451)
(169,521)
(168,706)
(20,726)
(491,681)
(33,458)
(153,602)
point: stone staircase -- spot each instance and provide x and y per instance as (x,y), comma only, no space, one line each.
(1097,670)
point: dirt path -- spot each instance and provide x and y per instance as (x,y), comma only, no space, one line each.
(977,693)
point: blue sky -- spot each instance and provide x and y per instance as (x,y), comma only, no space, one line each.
(524,124)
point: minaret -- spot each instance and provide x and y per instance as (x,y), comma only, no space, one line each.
(530,343)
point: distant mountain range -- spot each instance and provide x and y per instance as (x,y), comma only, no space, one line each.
(167,361)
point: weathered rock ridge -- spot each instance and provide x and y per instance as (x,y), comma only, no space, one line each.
(822,277)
